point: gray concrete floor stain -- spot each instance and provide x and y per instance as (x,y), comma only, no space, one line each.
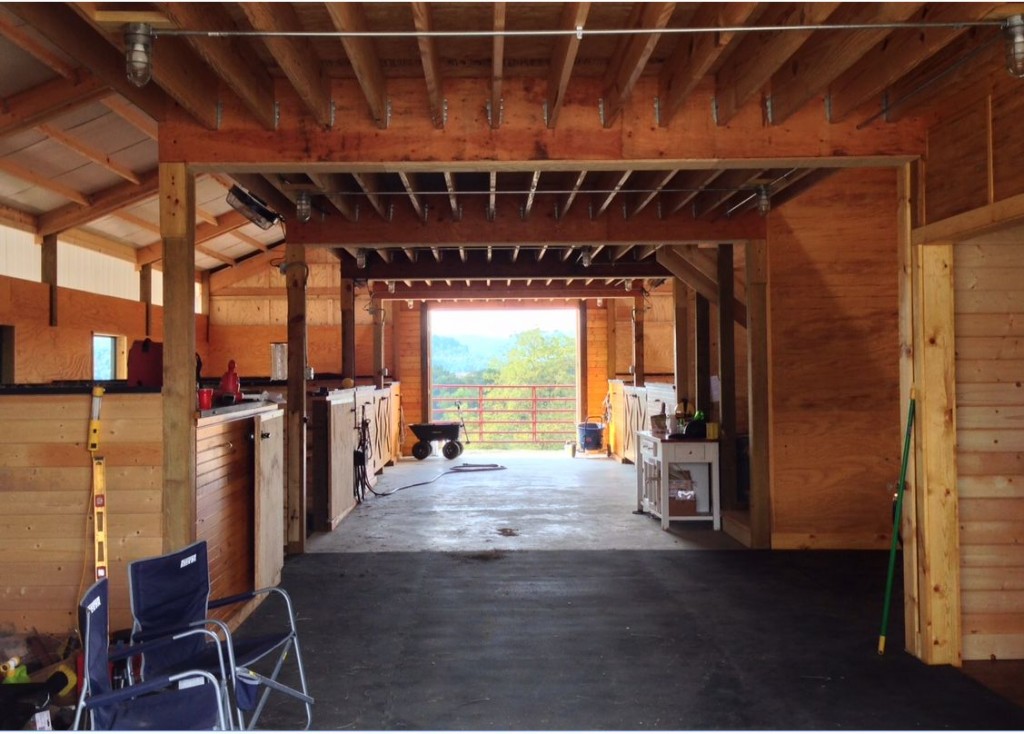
(542,500)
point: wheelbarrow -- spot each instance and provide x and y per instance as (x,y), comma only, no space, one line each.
(427,433)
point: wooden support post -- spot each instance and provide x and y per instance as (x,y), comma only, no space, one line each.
(908,523)
(582,405)
(295,491)
(377,309)
(146,294)
(178,231)
(425,364)
(935,501)
(702,335)
(348,328)
(727,379)
(612,329)
(638,341)
(758,394)
(49,272)
(680,367)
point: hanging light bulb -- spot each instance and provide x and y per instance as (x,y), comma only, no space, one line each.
(391,286)
(1013,31)
(360,258)
(600,303)
(303,206)
(629,285)
(586,258)
(138,53)
(764,203)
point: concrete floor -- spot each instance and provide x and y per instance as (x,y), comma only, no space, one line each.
(542,500)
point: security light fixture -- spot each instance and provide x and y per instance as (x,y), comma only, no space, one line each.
(138,53)
(303,206)
(361,258)
(764,202)
(1013,31)
(252,208)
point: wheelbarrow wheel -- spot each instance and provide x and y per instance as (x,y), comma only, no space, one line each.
(421,450)
(461,447)
(450,450)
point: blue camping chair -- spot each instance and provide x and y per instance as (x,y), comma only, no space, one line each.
(188,699)
(172,592)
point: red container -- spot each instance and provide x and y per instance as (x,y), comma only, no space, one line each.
(205,398)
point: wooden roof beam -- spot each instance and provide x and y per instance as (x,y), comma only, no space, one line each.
(362,54)
(411,183)
(726,186)
(685,187)
(565,200)
(453,195)
(370,184)
(18,219)
(421,16)
(622,77)
(28,109)
(672,261)
(828,54)
(695,55)
(497,65)
(563,58)
(29,176)
(227,57)
(62,27)
(41,52)
(898,54)
(645,188)
(85,150)
(101,204)
(216,255)
(760,55)
(294,55)
(500,291)
(608,186)
(131,114)
(530,196)
(330,185)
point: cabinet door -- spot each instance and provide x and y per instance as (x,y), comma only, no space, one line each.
(269,489)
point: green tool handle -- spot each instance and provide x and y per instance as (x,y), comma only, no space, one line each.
(896,526)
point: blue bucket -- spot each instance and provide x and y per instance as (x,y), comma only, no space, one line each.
(590,435)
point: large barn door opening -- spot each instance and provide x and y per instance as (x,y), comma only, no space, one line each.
(509,373)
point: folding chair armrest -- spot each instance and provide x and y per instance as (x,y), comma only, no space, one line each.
(248,595)
(199,628)
(148,686)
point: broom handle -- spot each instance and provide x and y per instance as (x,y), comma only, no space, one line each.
(896,527)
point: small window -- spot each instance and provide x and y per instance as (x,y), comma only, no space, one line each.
(109,360)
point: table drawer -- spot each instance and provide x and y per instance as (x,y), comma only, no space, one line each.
(648,446)
(688,452)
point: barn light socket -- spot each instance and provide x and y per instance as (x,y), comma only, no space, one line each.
(764,202)
(303,206)
(361,258)
(1013,31)
(391,286)
(587,258)
(138,53)
(629,285)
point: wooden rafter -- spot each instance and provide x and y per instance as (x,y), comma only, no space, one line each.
(18,219)
(760,55)
(453,195)
(421,16)
(294,56)
(227,58)
(131,114)
(27,109)
(102,203)
(726,187)
(39,51)
(622,77)
(370,183)
(573,189)
(695,56)
(608,186)
(497,64)
(645,188)
(492,194)
(98,243)
(410,181)
(226,223)
(204,216)
(331,186)
(30,176)
(216,255)
(828,54)
(251,241)
(349,18)
(563,58)
(98,157)
(531,195)
(137,221)
(262,188)
(686,186)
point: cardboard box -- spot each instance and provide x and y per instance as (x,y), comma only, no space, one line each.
(682,502)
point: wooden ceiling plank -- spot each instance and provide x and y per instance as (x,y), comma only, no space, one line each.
(131,114)
(646,187)
(27,109)
(370,184)
(623,76)
(226,57)
(29,176)
(87,151)
(294,55)
(563,58)
(497,64)
(411,184)
(828,54)
(531,195)
(760,55)
(421,15)
(694,56)
(39,51)
(103,203)
(608,187)
(900,53)
(62,27)
(362,54)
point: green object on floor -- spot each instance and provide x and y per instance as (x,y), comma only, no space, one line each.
(18,675)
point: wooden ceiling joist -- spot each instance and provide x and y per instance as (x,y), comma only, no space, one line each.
(608,187)
(411,184)
(226,57)
(371,186)
(294,56)
(39,51)
(331,186)
(34,106)
(563,58)
(531,195)
(453,195)
(349,18)
(102,203)
(518,290)
(492,195)
(30,176)
(497,65)
(725,188)
(621,79)
(85,150)
(421,16)
(645,188)
(131,114)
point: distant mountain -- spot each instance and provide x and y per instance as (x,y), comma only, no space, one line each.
(469,354)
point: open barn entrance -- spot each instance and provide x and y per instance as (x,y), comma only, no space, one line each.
(509,373)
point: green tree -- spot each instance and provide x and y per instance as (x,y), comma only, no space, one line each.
(537,358)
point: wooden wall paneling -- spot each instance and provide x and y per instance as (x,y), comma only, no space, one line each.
(597,362)
(611,338)
(956,175)
(177,231)
(1007,147)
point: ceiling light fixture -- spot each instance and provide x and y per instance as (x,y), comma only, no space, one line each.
(303,206)
(138,53)
(408,304)
(764,202)
(629,285)
(1013,31)
(361,258)
(586,259)
(600,303)
(391,286)
(252,208)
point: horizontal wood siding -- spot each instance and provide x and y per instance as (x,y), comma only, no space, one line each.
(46,532)
(835,436)
(989,299)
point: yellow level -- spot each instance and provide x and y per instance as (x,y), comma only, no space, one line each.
(99,487)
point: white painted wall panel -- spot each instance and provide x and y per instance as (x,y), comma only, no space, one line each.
(20,256)
(94,272)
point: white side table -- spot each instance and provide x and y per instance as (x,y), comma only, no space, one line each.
(658,459)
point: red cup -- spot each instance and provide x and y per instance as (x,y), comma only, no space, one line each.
(205,398)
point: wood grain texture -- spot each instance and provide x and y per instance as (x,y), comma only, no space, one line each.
(956,175)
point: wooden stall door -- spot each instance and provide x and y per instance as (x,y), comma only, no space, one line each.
(269,490)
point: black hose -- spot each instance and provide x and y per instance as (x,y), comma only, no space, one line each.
(460,469)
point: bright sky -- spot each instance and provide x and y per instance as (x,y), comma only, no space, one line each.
(501,322)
